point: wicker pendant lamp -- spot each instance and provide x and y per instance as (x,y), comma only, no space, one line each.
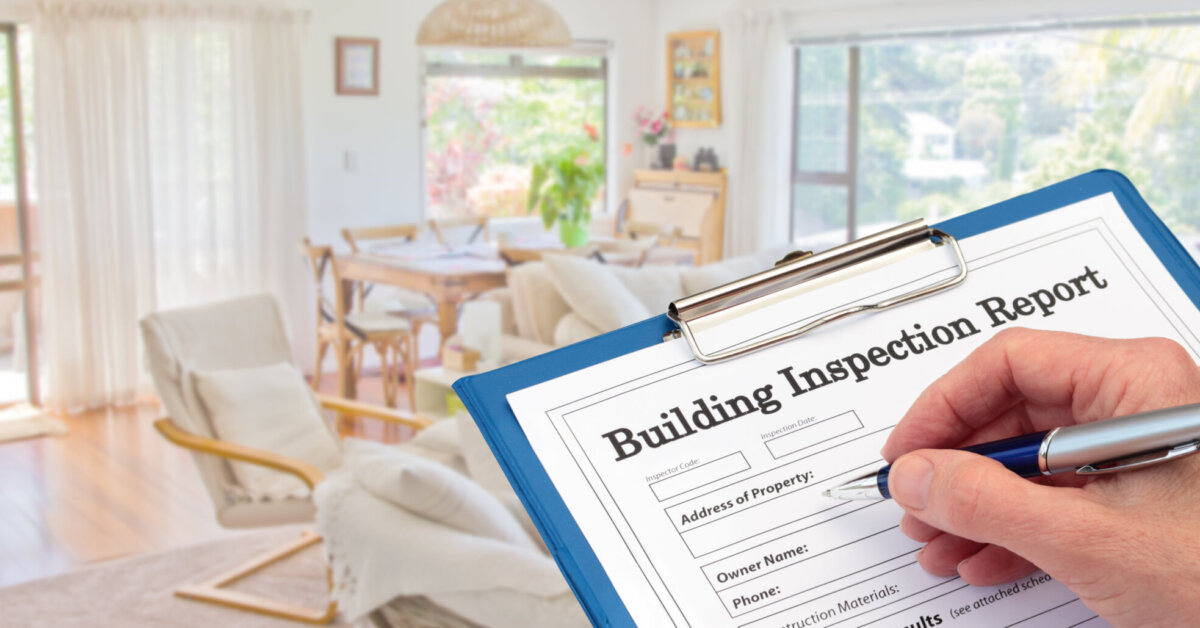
(494,24)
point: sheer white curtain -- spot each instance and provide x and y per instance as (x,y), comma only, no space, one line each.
(171,172)
(758,99)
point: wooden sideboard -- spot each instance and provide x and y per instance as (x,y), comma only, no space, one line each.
(692,201)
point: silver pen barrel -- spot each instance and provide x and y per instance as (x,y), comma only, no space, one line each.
(1070,448)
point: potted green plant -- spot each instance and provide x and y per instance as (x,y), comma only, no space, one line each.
(563,187)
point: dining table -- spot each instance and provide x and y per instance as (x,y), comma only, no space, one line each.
(605,249)
(450,275)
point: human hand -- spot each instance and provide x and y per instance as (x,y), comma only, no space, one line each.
(1126,543)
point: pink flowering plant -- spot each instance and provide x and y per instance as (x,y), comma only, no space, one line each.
(652,126)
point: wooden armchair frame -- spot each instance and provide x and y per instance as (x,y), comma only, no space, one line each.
(213,590)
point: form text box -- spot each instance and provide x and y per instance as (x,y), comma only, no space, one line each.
(700,475)
(814,434)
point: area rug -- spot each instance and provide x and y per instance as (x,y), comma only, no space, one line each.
(23,421)
(138,591)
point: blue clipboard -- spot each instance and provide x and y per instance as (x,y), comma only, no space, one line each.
(485,395)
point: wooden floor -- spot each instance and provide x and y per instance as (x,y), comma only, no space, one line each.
(111,488)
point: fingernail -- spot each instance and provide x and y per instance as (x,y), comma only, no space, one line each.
(909,481)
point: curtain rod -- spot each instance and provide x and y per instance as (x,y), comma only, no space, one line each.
(1009,29)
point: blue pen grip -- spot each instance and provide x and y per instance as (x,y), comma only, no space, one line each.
(1019,454)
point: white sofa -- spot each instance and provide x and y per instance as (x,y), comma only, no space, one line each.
(566,299)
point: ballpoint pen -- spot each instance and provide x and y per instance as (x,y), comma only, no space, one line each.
(1109,446)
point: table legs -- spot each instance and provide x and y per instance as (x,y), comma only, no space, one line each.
(447,320)
(447,313)
(347,383)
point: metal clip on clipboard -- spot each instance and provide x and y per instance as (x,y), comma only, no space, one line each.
(796,269)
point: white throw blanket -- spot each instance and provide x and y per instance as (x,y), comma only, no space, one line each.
(379,550)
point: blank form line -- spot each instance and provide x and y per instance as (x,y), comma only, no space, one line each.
(1052,608)
(906,608)
(804,560)
(849,586)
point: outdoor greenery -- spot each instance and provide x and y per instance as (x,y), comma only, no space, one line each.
(1024,111)
(484,135)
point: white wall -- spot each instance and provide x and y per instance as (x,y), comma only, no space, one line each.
(694,15)
(383,132)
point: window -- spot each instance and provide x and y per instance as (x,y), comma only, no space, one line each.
(489,117)
(888,130)
(18,382)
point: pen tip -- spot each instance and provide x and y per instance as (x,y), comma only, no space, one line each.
(827,493)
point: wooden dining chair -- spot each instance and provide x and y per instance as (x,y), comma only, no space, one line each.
(417,308)
(641,238)
(349,329)
(442,227)
(666,234)
(402,233)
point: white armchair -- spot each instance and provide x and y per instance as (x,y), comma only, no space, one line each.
(246,335)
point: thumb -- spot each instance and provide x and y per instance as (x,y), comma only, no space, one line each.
(976,498)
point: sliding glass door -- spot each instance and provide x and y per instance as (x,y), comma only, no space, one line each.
(18,255)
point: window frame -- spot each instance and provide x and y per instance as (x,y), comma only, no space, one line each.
(517,68)
(853,44)
(847,179)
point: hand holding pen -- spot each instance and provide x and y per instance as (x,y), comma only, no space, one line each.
(1128,544)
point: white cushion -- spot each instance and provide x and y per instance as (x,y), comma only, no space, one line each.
(486,471)
(655,286)
(377,322)
(516,348)
(438,442)
(272,409)
(442,436)
(537,304)
(595,293)
(239,333)
(390,300)
(433,491)
(571,329)
(509,498)
(481,463)
(701,278)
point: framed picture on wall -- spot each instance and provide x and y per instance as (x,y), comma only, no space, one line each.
(357,66)
(694,78)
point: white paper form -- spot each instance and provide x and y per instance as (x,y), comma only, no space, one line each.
(698,487)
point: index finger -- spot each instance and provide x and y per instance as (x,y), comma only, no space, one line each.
(1041,368)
